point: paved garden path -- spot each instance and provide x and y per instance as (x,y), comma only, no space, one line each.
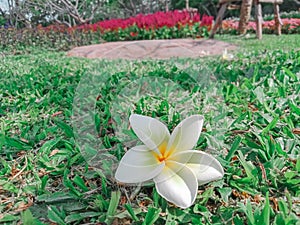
(155,49)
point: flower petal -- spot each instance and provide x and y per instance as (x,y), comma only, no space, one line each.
(150,131)
(186,134)
(204,166)
(138,165)
(178,187)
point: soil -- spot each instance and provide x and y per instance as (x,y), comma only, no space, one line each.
(153,49)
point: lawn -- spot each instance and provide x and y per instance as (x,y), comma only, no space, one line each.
(52,105)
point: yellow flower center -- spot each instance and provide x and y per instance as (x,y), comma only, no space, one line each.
(163,153)
(161,158)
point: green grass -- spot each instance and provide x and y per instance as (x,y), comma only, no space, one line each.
(252,122)
(268,42)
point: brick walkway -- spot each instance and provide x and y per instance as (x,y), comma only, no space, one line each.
(154,49)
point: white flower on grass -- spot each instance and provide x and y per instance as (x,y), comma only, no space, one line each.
(169,160)
(227,56)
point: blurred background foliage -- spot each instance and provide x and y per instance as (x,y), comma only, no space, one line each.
(30,13)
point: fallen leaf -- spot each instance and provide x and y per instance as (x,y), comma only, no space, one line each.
(24,140)
(54,152)
(57,113)
(296,130)
(23,206)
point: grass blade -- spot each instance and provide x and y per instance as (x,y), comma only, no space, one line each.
(113,204)
(151,216)
(234,147)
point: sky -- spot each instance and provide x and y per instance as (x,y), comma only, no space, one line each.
(3,4)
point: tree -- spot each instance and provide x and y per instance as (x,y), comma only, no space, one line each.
(245,15)
(208,7)
(20,13)
(134,7)
(70,12)
(14,13)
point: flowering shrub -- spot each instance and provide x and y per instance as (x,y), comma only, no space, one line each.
(151,21)
(290,26)
(160,25)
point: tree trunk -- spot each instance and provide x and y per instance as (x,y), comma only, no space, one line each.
(187,3)
(245,15)
(167,5)
(259,18)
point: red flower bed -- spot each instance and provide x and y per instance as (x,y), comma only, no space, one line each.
(152,21)
(160,25)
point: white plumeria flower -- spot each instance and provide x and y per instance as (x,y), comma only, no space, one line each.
(227,56)
(169,160)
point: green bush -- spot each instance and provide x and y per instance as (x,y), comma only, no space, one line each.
(283,15)
(19,40)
